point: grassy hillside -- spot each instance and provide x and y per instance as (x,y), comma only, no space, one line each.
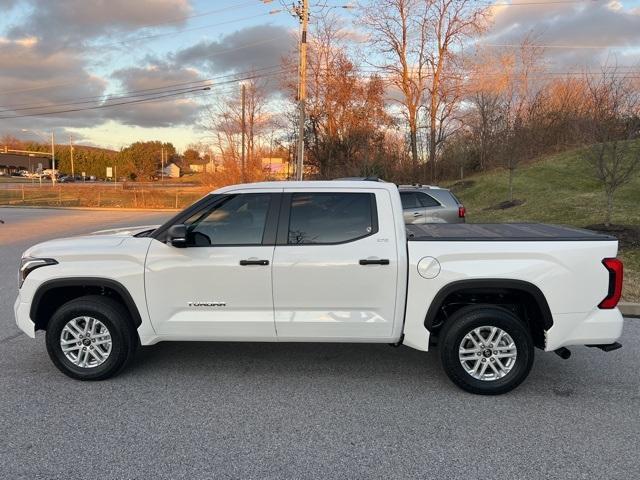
(556,189)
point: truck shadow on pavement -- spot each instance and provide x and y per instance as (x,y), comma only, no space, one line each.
(295,360)
(409,371)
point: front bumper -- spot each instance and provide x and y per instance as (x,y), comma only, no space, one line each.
(23,318)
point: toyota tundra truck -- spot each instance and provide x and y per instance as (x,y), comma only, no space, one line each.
(324,262)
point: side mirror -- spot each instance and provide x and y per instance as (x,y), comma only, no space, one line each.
(177,235)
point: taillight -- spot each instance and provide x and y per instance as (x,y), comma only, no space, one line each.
(461,211)
(614,266)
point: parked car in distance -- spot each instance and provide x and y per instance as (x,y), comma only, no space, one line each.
(324,262)
(429,204)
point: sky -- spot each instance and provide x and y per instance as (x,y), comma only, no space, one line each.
(70,54)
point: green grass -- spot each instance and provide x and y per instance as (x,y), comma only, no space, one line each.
(556,189)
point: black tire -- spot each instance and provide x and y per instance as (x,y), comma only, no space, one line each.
(114,316)
(469,318)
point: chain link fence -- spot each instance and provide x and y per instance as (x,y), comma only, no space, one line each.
(93,195)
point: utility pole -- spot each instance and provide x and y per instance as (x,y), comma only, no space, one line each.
(302,11)
(162,164)
(244,129)
(71,156)
(53,157)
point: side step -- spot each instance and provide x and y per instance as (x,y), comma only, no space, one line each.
(608,347)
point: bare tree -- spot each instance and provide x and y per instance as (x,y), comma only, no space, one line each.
(522,99)
(611,130)
(417,39)
(224,120)
(400,31)
(451,22)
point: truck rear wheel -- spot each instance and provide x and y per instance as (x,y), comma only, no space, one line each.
(486,349)
(91,338)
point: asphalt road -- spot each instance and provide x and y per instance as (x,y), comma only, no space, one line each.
(231,410)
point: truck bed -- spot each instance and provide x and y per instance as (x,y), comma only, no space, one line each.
(500,232)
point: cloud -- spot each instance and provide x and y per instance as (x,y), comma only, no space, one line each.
(587,27)
(64,22)
(252,47)
(6,5)
(182,110)
(38,79)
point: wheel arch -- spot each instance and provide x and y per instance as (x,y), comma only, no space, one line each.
(54,293)
(503,292)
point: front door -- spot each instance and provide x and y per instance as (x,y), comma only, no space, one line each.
(219,286)
(335,266)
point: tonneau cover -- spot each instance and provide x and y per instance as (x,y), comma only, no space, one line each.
(501,232)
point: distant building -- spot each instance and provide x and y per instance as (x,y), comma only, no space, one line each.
(172,170)
(276,167)
(14,162)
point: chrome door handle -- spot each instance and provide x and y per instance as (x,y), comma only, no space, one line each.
(244,263)
(417,214)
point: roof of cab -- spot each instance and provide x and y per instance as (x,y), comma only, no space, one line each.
(289,185)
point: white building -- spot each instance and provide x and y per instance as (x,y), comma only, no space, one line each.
(172,170)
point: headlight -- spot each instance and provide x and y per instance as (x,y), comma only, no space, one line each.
(29,264)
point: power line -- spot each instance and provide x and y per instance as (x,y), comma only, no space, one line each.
(178,31)
(197,15)
(154,89)
(551,2)
(571,47)
(129,102)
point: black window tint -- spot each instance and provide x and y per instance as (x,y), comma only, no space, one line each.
(428,200)
(239,220)
(325,218)
(409,200)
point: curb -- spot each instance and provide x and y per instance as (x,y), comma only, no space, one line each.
(629,309)
(99,209)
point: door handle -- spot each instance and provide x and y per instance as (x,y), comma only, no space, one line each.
(417,214)
(244,263)
(381,261)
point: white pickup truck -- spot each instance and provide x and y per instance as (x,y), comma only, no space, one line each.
(324,262)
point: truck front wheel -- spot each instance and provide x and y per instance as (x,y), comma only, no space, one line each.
(91,338)
(486,349)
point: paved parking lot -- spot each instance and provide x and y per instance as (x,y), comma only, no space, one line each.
(230,410)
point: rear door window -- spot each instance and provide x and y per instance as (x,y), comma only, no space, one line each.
(409,200)
(427,200)
(331,218)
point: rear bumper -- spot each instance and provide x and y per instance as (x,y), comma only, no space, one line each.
(23,318)
(598,327)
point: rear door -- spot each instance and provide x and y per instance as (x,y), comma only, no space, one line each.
(435,212)
(413,211)
(335,266)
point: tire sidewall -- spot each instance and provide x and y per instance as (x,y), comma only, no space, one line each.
(109,317)
(472,318)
